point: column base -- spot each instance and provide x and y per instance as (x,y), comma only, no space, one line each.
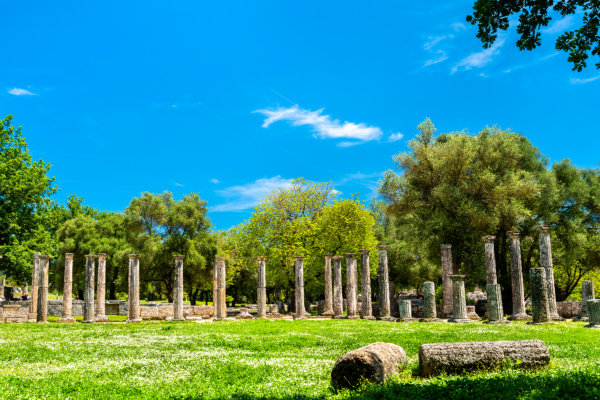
(431,320)
(133,320)
(261,317)
(32,316)
(556,317)
(461,320)
(592,326)
(541,323)
(338,317)
(66,320)
(580,318)
(89,321)
(352,317)
(407,319)
(388,319)
(41,322)
(519,317)
(328,313)
(178,319)
(102,318)
(300,317)
(501,322)
(368,317)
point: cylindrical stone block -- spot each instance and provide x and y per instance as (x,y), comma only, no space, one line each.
(405,310)
(539,296)
(178,289)
(101,290)
(593,310)
(338,295)
(587,294)
(365,275)
(261,294)
(429,308)
(384,284)
(490,260)
(546,263)
(446,251)
(516,277)
(88,294)
(494,305)
(25,290)
(215,286)
(67,306)
(299,292)
(328,302)
(42,297)
(459,300)
(221,288)
(134,288)
(35,279)
(351,289)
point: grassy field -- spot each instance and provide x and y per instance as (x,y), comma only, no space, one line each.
(272,359)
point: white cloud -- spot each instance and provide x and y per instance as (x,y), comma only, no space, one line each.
(246,197)
(560,25)
(438,55)
(323,125)
(20,92)
(178,184)
(458,26)
(395,137)
(479,59)
(583,81)
(335,192)
(215,181)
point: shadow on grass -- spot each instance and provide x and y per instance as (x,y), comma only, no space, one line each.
(573,384)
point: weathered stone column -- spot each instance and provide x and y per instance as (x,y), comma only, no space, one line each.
(221,289)
(35,279)
(587,294)
(328,303)
(101,290)
(429,308)
(351,290)
(215,286)
(299,292)
(490,260)
(178,289)
(261,294)
(516,276)
(338,294)
(384,284)
(25,290)
(446,250)
(42,297)
(67,306)
(134,289)
(593,309)
(88,294)
(546,263)
(459,300)
(2,284)
(494,305)
(365,275)
(405,310)
(539,296)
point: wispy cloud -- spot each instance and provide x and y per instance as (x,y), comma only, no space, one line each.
(480,58)
(20,92)
(583,81)
(458,26)
(560,25)
(178,184)
(323,125)
(247,196)
(215,181)
(369,181)
(437,55)
(395,137)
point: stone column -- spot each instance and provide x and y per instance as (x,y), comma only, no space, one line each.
(261,294)
(299,292)
(365,275)
(88,295)
(384,285)
(101,290)
(587,294)
(539,296)
(338,294)
(516,275)
(593,313)
(490,260)
(42,280)
(25,290)
(429,308)
(459,300)
(221,289)
(405,310)
(546,263)
(35,279)
(494,305)
(67,306)
(134,289)
(446,250)
(2,284)
(351,290)
(215,286)
(328,303)
(178,289)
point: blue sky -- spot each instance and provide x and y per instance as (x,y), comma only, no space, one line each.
(234,99)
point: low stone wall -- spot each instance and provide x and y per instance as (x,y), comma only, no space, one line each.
(14,312)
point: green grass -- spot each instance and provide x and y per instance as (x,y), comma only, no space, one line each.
(273,359)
